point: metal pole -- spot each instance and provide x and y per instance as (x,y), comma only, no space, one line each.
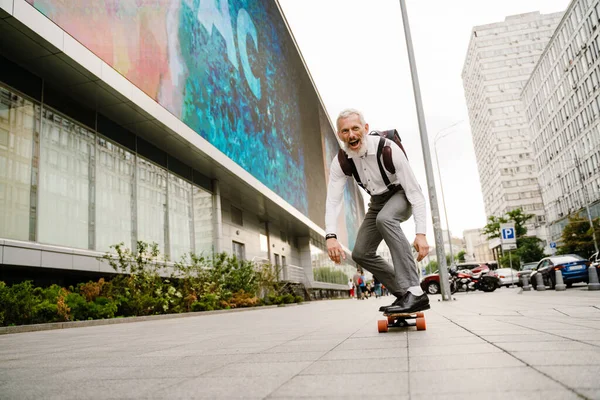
(585,200)
(435,214)
(444,202)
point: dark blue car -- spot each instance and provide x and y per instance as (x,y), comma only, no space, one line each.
(572,267)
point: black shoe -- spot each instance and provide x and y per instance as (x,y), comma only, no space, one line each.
(396,302)
(411,304)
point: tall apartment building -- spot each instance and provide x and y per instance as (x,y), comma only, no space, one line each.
(499,61)
(563,105)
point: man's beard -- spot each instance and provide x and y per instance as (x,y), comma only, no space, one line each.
(356,153)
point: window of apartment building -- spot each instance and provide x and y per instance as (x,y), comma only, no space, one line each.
(236,216)
(277,261)
(283,236)
(238,249)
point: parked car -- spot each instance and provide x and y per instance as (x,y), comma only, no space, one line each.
(507,276)
(526,270)
(572,267)
(431,283)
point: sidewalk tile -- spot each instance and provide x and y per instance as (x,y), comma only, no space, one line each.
(350,385)
(208,387)
(453,350)
(362,365)
(502,395)
(488,380)
(373,353)
(462,361)
(547,346)
(259,369)
(579,377)
(573,357)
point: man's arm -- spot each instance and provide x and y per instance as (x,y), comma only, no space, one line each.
(411,187)
(335,193)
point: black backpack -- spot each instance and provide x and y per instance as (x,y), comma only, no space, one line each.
(383,152)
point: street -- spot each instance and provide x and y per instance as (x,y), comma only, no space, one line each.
(505,344)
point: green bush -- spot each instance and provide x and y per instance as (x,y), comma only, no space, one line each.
(287,298)
(197,283)
(17,303)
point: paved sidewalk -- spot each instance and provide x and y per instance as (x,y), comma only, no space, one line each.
(534,345)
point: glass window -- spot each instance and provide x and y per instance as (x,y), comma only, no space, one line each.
(17,124)
(203,220)
(115,188)
(64,187)
(239,250)
(180,217)
(151,203)
(264,243)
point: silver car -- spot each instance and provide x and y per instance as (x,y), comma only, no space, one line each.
(507,276)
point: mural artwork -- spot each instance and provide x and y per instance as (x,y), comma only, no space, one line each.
(228,69)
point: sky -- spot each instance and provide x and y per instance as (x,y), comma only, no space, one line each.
(356,54)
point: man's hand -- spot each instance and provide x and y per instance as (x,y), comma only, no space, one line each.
(335,251)
(421,245)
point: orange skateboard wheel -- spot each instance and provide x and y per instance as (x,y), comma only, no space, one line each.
(390,319)
(420,315)
(421,324)
(382,325)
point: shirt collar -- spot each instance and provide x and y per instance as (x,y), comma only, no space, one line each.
(372,142)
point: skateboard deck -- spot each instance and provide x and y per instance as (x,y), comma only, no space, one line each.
(401,320)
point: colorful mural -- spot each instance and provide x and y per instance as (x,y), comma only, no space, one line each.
(228,69)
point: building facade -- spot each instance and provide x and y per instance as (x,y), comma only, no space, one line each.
(477,246)
(500,59)
(563,107)
(197,128)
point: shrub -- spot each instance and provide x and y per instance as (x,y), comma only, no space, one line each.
(287,298)
(17,303)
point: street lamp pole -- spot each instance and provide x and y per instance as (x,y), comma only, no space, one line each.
(442,187)
(435,213)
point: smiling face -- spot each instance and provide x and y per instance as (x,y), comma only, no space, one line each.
(352,134)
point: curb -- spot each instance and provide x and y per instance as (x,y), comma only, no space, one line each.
(5,330)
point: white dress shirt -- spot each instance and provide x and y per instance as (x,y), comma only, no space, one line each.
(370,176)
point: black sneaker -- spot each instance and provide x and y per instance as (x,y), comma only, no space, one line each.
(396,302)
(411,304)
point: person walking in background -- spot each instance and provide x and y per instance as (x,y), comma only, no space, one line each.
(376,287)
(356,279)
(351,287)
(382,168)
(363,285)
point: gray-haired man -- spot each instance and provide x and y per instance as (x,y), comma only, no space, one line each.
(389,206)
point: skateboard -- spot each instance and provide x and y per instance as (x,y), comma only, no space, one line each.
(401,320)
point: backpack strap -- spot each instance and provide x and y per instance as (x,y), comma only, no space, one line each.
(349,168)
(387,159)
(380,147)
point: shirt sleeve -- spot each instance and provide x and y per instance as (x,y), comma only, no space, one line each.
(406,178)
(335,192)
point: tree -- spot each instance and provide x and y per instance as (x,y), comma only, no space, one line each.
(460,257)
(492,228)
(432,267)
(529,249)
(510,259)
(577,237)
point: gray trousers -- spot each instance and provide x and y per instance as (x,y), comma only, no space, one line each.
(382,222)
